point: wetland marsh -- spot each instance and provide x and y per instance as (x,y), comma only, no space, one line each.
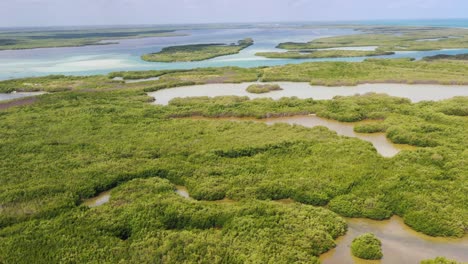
(182,165)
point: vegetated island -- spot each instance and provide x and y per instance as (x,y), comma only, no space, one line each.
(367,246)
(460,57)
(263,88)
(316,54)
(30,39)
(388,40)
(197,52)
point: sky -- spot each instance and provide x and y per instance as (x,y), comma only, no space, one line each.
(21,13)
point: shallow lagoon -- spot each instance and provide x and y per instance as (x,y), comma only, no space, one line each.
(415,93)
(125,55)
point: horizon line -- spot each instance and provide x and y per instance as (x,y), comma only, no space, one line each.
(317,22)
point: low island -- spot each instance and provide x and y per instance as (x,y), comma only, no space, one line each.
(391,39)
(367,246)
(197,52)
(317,54)
(460,57)
(16,40)
(384,42)
(263,88)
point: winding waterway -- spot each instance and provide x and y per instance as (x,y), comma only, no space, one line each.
(11,96)
(380,142)
(386,148)
(415,92)
(400,243)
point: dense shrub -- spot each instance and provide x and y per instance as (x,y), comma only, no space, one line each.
(146,221)
(374,127)
(439,260)
(69,146)
(367,246)
(263,88)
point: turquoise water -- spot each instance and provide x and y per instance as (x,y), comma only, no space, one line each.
(460,22)
(101,59)
(126,55)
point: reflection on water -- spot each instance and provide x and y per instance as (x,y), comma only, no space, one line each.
(415,92)
(101,199)
(383,146)
(400,244)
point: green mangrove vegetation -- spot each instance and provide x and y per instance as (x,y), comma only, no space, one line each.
(30,39)
(367,246)
(168,78)
(133,75)
(387,39)
(462,57)
(197,52)
(92,134)
(317,73)
(316,54)
(263,88)
(146,222)
(439,260)
(370,71)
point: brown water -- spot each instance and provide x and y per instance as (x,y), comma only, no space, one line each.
(383,146)
(400,244)
(415,92)
(101,199)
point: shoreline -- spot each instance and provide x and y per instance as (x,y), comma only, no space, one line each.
(306,90)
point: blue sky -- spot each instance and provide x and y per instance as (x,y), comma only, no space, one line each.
(111,12)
